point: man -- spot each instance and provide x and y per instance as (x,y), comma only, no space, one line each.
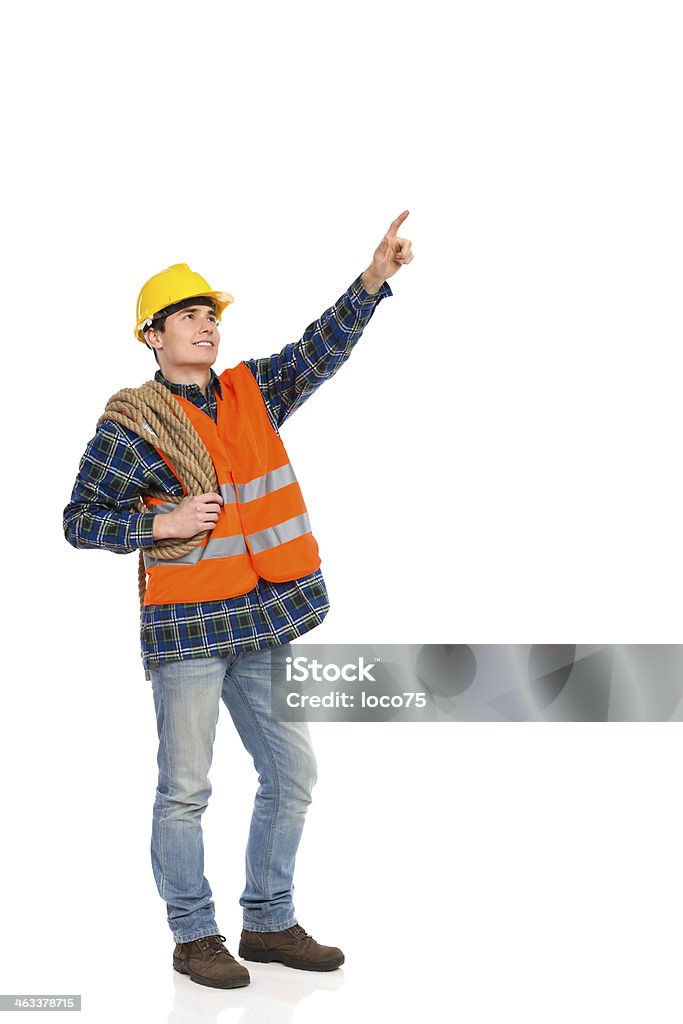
(212,614)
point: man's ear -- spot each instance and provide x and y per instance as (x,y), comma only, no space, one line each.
(153,338)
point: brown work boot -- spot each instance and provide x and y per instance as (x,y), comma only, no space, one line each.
(208,962)
(292,947)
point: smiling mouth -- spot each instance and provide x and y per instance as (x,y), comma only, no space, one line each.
(203,344)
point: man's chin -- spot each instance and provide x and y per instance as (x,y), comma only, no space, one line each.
(207,357)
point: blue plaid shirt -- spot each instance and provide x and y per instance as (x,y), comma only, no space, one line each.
(118,467)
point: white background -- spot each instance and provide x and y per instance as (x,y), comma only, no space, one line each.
(498,462)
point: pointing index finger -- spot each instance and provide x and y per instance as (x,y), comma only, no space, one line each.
(395,224)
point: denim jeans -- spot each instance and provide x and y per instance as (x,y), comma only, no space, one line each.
(187,696)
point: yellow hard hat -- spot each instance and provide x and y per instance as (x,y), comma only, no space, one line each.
(169,287)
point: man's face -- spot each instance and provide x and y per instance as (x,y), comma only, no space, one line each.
(190,339)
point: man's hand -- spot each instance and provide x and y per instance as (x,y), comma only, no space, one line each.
(391,253)
(195,513)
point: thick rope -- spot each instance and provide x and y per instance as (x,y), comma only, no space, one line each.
(152,413)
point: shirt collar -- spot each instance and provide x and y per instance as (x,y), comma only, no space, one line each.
(188,390)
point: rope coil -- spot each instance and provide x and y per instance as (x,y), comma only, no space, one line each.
(152,413)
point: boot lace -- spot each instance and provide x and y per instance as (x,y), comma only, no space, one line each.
(213,945)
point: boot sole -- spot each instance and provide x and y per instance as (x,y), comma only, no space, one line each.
(262,956)
(210,982)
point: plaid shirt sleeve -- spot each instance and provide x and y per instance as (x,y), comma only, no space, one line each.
(113,472)
(289,377)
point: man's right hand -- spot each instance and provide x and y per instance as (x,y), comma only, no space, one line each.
(195,513)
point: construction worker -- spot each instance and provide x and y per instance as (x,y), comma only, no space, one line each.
(230,572)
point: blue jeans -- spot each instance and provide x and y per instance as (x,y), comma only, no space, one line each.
(187,696)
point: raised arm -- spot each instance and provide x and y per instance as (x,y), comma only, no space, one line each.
(289,377)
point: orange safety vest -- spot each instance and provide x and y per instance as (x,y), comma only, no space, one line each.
(263,527)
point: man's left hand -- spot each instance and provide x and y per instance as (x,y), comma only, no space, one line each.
(391,253)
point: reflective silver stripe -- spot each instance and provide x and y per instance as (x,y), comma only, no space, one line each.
(228,493)
(225,547)
(279,534)
(218,547)
(267,483)
(166,506)
(256,488)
